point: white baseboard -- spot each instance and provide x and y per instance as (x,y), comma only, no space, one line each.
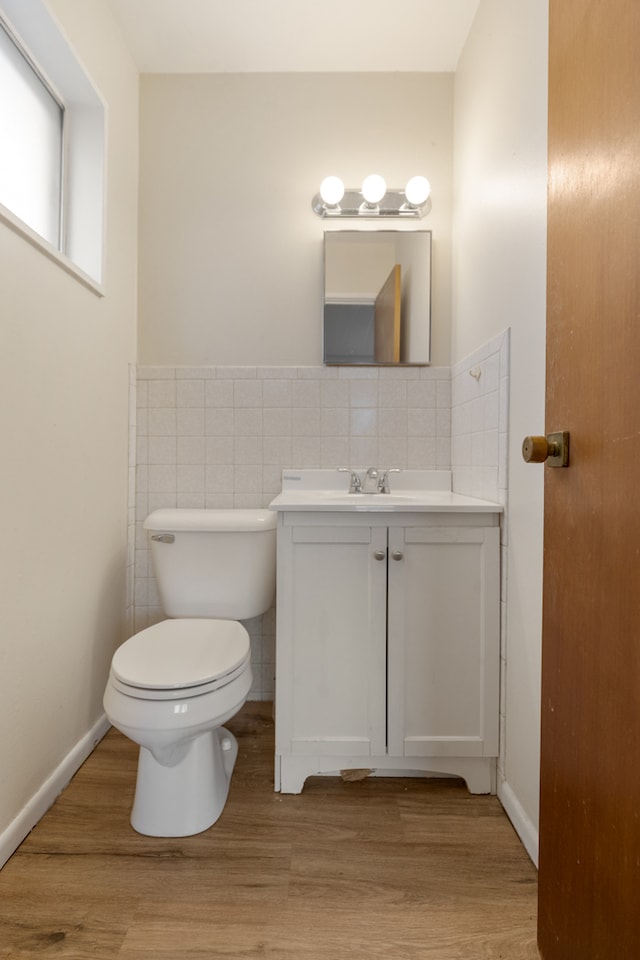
(37,806)
(524,827)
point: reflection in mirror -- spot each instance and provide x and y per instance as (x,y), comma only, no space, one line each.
(377,296)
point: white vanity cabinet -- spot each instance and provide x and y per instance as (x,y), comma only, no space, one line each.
(387,644)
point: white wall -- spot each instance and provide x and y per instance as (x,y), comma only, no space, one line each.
(64,357)
(499,257)
(232,387)
(230,250)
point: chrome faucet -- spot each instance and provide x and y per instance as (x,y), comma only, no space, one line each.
(355,483)
(374,481)
(371,481)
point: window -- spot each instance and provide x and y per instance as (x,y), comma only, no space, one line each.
(52,142)
(31,121)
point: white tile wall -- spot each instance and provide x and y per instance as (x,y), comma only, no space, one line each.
(479,421)
(479,446)
(221,436)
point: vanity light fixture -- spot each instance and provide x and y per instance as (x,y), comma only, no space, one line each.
(373,199)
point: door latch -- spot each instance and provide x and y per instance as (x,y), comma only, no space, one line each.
(554,449)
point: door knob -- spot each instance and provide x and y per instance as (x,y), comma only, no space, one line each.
(554,448)
(397,554)
(380,554)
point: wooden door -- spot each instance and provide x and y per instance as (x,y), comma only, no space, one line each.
(589,900)
(386,319)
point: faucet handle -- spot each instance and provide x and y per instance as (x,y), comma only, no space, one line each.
(355,484)
(383,482)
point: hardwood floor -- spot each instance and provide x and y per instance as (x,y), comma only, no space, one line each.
(378,869)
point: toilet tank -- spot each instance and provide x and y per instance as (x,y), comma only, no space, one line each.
(214,563)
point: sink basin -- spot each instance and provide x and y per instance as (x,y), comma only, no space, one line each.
(371,501)
(416,491)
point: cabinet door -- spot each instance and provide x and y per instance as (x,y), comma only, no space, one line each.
(444,645)
(331,640)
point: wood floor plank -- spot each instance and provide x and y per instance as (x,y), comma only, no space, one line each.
(318,933)
(407,869)
(49,926)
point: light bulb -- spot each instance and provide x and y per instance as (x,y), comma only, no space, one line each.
(417,190)
(332,190)
(373,188)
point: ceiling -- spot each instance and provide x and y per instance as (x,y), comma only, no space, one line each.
(264,36)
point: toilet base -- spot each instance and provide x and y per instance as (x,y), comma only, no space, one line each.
(189,797)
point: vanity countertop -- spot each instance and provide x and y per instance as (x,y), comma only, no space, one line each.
(411,490)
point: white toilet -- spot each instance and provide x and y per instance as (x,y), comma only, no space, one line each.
(173,685)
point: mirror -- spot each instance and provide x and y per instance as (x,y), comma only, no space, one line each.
(377,297)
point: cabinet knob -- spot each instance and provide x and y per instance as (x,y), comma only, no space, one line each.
(397,554)
(380,554)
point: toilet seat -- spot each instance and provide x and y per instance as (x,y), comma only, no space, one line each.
(181,658)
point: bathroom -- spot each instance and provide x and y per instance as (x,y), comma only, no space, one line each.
(221,272)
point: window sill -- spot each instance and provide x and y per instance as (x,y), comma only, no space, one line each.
(10,219)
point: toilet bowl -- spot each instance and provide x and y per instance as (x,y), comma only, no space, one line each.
(172,686)
(170,689)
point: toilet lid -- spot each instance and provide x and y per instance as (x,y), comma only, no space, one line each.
(175,654)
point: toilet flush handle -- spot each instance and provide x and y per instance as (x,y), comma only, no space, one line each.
(163,537)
